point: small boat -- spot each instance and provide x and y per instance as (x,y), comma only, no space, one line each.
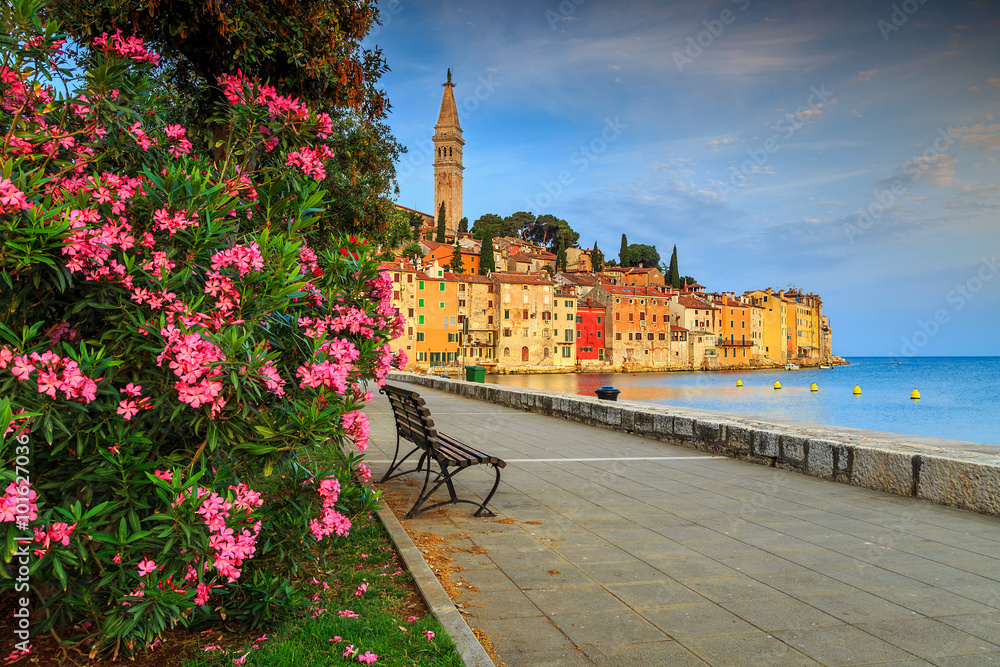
(791,367)
(825,366)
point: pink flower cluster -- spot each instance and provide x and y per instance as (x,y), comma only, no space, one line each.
(12,199)
(310,265)
(245,258)
(144,139)
(55,374)
(57,533)
(12,498)
(193,359)
(130,47)
(129,408)
(330,521)
(179,143)
(356,426)
(310,161)
(279,107)
(174,222)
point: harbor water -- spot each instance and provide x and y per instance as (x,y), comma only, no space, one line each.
(959,396)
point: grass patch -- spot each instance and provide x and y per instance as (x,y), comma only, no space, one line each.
(365,563)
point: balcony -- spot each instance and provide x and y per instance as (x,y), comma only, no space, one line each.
(734,343)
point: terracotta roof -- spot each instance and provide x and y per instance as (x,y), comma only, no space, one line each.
(407,208)
(522,278)
(434,245)
(640,290)
(691,302)
(580,278)
(474,279)
(674,327)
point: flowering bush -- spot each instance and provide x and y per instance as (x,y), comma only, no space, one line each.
(174,351)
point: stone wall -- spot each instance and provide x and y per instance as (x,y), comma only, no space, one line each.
(947,472)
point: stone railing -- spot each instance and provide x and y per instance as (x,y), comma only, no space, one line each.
(947,472)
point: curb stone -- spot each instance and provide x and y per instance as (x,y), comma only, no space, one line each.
(469,649)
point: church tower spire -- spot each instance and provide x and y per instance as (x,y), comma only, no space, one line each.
(448,167)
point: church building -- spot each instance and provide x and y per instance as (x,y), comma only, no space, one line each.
(448,167)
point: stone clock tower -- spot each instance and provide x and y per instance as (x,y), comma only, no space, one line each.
(448,167)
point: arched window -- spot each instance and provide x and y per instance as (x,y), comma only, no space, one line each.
(506,352)
(524,353)
(545,352)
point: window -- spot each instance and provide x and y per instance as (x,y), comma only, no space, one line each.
(631,317)
(409,278)
(420,303)
(461,287)
(524,353)
(461,303)
(618,316)
(569,317)
(395,277)
(461,319)
(440,304)
(409,312)
(489,320)
(420,284)
(489,304)
(578,334)
(569,336)
(569,304)
(642,317)
(567,351)
(648,336)
(420,319)
(421,356)
(395,295)
(442,287)
(451,356)
(409,331)
(598,334)
(506,352)
(663,336)
(618,336)
(600,353)
(598,319)
(524,314)
(506,333)
(453,338)
(420,336)
(506,314)
(579,320)
(545,352)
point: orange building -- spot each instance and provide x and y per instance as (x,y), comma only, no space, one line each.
(736,337)
(437,327)
(638,329)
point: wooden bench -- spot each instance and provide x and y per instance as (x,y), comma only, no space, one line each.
(414,424)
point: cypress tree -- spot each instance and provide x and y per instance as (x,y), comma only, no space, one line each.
(456,265)
(596,259)
(623,253)
(486,260)
(675,276)
(440,228)
(561,255)
(463,225)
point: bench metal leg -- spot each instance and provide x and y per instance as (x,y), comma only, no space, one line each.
(445,477)
(397,464)
(489,497)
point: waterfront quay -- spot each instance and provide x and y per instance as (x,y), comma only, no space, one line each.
(614,548)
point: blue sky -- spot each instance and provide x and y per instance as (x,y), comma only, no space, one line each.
(849,148)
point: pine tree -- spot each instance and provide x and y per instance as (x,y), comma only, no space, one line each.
(596,259)
(623,253)
(674,273)
(561,255)
(440,228)
(463,225)
(456,265)
(486,260)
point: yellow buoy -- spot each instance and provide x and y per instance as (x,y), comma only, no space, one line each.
(739,383)
(814,387)
(777,385)
(915,395)
(857,390)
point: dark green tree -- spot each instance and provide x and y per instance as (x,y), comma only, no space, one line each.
(561,256)
(487,262)
(493,225)
(463,225)
(640,254)
(519,222)
(546,231)
(596,259)
(456,265)
(687,280)
(440,228)
(674,277)
(416,222)
(413,251)
(623,252)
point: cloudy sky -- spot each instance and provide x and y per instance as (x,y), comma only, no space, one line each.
(845,147)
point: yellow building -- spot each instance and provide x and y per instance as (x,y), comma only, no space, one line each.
(779,345)
(564,330)
(437,329)
(477,306)
(525,324)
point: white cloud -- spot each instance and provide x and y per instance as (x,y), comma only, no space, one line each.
(715,144)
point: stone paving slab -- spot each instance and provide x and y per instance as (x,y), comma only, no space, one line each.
(664,556)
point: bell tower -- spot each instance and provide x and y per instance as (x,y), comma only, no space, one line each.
(448,167)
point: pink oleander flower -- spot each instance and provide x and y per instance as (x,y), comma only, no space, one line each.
(368,657)
(429,634)
(347,613)
(350,651)
(361,589)
(146,566)
(412,619)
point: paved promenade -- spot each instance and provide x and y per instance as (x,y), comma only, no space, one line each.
(609,549)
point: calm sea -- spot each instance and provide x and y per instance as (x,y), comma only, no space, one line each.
(960,396)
